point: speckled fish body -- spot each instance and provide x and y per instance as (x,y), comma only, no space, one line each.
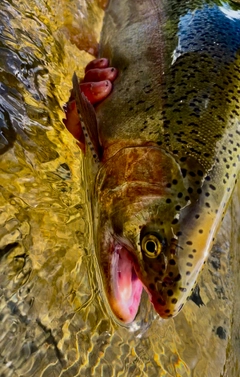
(170,135)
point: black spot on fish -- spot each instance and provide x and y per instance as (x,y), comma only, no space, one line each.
(161,301)
(192,174)
(177,278)
(183,289)
(152,286)
(149,108)
(183,159)
(184,172)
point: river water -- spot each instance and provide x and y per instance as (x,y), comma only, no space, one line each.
(54,321)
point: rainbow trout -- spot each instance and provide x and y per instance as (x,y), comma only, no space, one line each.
(168,141)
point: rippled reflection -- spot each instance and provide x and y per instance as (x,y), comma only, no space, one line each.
(53,318)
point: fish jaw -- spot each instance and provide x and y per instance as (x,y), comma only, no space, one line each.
(124,289)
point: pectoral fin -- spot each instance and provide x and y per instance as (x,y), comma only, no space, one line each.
(88,120)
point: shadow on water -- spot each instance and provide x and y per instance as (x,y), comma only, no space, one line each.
(53,318)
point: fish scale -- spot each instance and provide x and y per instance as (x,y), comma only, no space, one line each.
(172,120)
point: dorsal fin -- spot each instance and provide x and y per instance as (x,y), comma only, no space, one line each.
(88,119)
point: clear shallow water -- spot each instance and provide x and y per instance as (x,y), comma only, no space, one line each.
(54,321)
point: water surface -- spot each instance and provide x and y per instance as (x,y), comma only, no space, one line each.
(54,321)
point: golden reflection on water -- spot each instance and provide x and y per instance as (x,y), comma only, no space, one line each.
(54,321)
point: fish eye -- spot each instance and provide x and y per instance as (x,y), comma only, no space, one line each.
(151,246)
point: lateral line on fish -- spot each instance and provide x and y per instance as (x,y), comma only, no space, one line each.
(88,120)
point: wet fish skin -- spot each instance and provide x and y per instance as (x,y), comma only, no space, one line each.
(176,99)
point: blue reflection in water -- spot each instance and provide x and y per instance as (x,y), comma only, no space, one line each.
(214,30)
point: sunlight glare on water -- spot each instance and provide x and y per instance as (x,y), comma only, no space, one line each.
(54,321)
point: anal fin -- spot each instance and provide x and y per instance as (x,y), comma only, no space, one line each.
(88,120)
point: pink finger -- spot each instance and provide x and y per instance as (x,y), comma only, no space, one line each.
(102,74)
(96,91)
(97,63)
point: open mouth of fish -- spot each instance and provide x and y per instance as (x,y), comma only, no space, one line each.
(126,287)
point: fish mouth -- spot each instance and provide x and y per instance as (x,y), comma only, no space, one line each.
(126,288)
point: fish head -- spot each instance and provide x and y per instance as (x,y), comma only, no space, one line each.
(142,209)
